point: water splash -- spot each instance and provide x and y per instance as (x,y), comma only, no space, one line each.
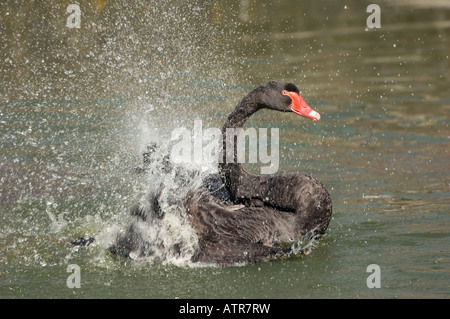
(71,99)
(58,221)
(306,244)
(159,229)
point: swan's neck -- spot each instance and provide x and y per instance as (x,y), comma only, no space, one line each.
(235,121)
(241,113)
(237,180)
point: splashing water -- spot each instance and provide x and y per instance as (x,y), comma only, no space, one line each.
(71,100)
(159,229)
(306,244)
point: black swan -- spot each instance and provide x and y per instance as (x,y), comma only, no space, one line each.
(239,217)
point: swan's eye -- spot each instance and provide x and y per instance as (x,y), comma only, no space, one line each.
(285,92)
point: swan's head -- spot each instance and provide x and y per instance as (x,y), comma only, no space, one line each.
(285,97)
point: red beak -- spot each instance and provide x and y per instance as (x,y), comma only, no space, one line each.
(300,107)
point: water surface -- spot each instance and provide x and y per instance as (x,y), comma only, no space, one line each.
(78,107)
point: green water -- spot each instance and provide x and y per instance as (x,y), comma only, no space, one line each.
(78,105)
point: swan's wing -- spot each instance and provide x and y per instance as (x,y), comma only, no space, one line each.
(230,234)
